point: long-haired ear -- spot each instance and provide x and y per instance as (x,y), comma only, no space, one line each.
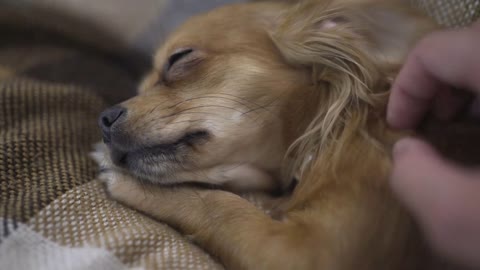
(353,48)
(383,30)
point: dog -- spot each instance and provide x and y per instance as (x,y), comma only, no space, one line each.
(257,97)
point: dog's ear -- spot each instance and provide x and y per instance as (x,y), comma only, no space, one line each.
(383,31)
(353,48)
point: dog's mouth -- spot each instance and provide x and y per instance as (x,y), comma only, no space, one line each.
(155,155)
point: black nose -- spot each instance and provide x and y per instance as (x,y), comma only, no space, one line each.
(109,118)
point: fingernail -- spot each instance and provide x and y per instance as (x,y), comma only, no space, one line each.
(401,147)
(391,117)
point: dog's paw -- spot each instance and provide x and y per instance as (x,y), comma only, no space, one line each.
(107,176)
(101,156)
(112,179)
(120,187)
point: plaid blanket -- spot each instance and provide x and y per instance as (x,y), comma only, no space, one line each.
(53,214)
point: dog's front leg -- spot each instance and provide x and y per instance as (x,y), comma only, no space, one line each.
(223,223)
(346,228)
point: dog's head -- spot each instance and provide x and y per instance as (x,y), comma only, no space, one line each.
(233,90)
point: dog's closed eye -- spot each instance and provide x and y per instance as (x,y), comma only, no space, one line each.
(177,56)
(179,63)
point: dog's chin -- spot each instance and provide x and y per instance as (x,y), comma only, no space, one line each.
(158,162)
(150,163)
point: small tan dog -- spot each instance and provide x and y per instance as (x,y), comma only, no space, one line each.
(250,96)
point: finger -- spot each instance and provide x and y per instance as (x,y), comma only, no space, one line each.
(476,25)
(441,60)
(442,197)
(411,179)
(412,94)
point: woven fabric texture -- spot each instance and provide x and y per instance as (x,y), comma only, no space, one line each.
(451,13)
(53,214)
(52,211)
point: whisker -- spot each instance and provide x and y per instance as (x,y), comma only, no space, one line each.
(208,97)
(243,99)
(199,107)
(246,102)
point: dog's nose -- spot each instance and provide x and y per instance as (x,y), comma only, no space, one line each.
(109,118)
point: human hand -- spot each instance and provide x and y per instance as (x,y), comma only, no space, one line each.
(440,63)
(445,198)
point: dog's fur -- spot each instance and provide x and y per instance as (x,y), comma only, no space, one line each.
(274,91)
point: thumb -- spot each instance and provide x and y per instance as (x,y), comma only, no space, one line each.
(442,196)
(419,175)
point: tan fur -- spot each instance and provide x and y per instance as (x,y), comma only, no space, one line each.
(285,90)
